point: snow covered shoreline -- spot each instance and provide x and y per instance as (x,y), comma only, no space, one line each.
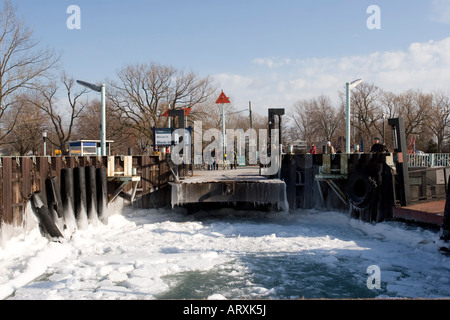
(229,254)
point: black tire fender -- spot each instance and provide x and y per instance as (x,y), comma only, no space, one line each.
(361,189)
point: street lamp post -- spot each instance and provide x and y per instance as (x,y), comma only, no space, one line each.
(224,141)
(222,100)
(44,137)
(102,90)
(349,87)
(103,130)
(250,111)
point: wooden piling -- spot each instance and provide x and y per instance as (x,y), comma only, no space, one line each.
(91,194)
(7,190)
(102,194)
(46,223)
(446,219)
(67,196)
(22,177)
(79,181)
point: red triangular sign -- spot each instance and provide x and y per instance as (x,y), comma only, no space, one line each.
(223,98)
(165,114)
(186,112)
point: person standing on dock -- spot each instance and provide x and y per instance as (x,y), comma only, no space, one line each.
(235,160)
(328,148)
(378,147)
(313,149)
(212,166)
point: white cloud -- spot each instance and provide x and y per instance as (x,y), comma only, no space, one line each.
(280,82)
(272,62)
(264,61)
(440,11)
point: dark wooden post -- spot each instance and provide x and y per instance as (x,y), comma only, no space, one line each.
(7,189)
(79,180)
(91,194)
(102,194)
(400,147)
(446,221)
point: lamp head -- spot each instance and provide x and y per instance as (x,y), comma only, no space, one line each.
(354,83)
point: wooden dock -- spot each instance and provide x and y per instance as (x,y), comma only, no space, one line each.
(241,185)
(21,177)
(430,212)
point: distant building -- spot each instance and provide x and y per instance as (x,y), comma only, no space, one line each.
(88,147)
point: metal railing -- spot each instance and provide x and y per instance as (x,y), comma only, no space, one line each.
(429,160)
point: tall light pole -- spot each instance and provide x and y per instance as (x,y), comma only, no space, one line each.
(250,111)
(222,100)
(100,89)
(349,87)
(384,120)
(103,129)
(224,141)
(44,136)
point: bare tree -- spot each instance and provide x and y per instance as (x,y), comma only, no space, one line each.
(27,134)
(422,113)
(426,115)
(367,111)
(414,107)
(326,117)
(22,63)
(388,102)
(439,118)
(211,115)
(145,91)
(316,119)
(302,121)
(88,126)
(62,119)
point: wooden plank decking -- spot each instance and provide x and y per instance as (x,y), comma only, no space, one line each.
(430,212)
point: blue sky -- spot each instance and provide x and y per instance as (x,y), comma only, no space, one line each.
(272,53)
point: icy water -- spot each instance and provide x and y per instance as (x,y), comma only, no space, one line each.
(258,272)
(289,277)
(317,255)
(228,254)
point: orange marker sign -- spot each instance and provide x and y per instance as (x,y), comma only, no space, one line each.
(223,98)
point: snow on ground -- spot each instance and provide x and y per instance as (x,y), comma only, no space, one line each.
(230,254)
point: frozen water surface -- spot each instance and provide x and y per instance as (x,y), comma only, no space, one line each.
(232,254)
